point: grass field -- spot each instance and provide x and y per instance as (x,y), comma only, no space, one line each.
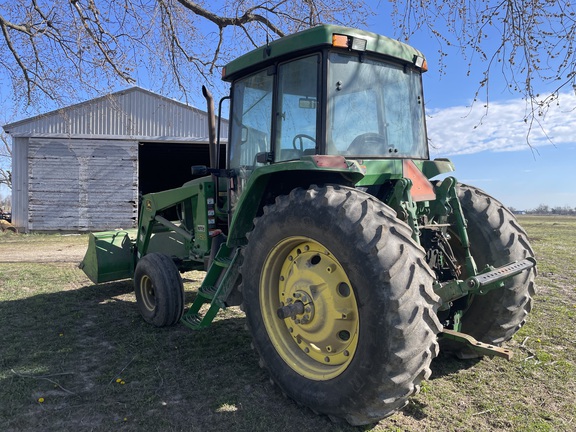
(76,356)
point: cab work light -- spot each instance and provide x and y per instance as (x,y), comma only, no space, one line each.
(420,62)
(349,42)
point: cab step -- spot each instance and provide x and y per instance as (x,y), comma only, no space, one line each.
(504,272)
(208,292)
(217,285)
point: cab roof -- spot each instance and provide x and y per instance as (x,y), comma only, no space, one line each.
(317,37)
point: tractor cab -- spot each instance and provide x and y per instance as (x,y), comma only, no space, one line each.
(343,92)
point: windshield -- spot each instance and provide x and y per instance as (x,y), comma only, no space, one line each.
(375,109)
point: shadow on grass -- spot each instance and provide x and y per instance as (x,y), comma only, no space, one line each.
(98,366)
(447,364)
(444,365)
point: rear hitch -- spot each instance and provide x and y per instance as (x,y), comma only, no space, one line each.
(480,347)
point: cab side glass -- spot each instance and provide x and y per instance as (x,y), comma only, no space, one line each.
(297,108)
(251,126)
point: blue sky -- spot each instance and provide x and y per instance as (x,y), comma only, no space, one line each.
(490,149)
(495,156)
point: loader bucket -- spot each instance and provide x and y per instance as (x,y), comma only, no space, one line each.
(109,256)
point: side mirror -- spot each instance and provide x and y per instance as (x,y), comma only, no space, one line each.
(264,157)
(199,170)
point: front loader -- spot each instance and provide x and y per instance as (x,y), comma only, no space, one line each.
(354,256)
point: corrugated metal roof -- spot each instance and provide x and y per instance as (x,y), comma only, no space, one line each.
(134,113)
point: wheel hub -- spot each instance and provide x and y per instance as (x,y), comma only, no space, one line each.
(148,293)
(300,308)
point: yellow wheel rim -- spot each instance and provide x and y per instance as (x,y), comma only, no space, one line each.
(320,340)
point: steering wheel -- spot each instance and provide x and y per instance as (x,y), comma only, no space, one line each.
(301,138)
(368,144)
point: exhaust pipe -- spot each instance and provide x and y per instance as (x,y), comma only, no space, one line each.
(211,128)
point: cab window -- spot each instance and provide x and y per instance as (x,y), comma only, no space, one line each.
(297,108)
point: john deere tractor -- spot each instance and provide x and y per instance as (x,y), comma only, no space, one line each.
(353,265)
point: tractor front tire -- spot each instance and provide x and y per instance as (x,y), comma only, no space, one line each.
(339,301)
(159,290)
(496,239)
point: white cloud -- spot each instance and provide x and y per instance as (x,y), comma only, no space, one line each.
(501,127)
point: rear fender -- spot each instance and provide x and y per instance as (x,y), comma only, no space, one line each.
(270,181)
(432,168)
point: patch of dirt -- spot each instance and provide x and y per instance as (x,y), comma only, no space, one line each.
(43,253)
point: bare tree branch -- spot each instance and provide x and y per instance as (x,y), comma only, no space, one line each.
(532,42)
(29,77)
(222,22)
(99,37)
(5,159)
(57,52)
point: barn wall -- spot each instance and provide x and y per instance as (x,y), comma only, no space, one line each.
(76,168)
(82,184)
(20,183)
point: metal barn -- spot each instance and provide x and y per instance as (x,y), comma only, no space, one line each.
(83,168)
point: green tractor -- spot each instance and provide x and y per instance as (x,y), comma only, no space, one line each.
(352,265)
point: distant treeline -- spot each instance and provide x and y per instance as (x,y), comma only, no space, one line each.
(6,203)
(543,209)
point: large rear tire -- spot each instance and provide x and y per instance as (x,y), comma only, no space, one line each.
(159,290)
(496,239)
(366,328)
